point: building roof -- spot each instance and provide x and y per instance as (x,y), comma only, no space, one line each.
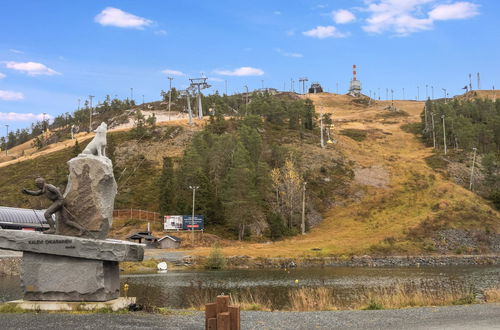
(142,235)
(18,216)
(172,237)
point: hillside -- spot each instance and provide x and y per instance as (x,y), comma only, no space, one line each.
(395,204)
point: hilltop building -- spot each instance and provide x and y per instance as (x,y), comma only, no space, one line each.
(315,88)
(355,85)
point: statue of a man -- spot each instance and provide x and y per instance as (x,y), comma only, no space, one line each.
(52,193)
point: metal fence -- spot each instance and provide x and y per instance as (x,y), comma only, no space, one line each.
(136,214)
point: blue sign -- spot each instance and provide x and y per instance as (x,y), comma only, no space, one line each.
(197,224)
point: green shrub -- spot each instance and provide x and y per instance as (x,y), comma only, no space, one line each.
(216,259)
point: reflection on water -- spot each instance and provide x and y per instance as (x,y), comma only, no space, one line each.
(180,289)
(185,288)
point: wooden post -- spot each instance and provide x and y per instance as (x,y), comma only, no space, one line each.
(210,313)
(223,321)
(234,315)
(222,304)
(211,324)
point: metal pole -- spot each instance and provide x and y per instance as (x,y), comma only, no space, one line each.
(303,224)
(169,96)
(246,100)
(192,216)
(200,109)
(425,116)
(321,128)
(6,138)
(444,134)
(90,122)
(433,131)
(472,169)
(190,111)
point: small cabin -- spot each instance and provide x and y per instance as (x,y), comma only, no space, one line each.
(145,237)
(169,242)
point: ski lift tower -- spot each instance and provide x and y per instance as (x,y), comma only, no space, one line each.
(186,93)
(199,84)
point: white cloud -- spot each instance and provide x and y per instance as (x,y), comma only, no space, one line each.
(31,68)
(343,16)
(240,72)
(10,96)
(2,75)
(16,51)
(116,17)
(322,32)
(277,12)
(457,10)
(161,33)
(15,116)
(401,16)
(173,72)
(215,79)
(408,16)
(288,54)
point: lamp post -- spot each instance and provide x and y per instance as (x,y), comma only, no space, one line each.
(6,137)
(472,169)
(192,216)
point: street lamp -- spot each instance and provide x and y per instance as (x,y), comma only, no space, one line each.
(192,217)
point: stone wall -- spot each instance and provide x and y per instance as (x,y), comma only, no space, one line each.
(10,266)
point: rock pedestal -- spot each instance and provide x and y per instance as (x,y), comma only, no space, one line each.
(89,195)
(63,268)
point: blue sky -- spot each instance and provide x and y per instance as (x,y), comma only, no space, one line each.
(53,53)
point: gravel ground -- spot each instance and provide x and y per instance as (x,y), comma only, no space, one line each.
(484,316)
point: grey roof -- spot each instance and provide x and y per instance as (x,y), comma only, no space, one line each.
(172,237)
(21,216)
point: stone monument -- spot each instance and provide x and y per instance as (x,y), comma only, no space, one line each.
(74,261)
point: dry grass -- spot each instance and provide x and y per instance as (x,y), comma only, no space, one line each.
(492,295)
(325,298)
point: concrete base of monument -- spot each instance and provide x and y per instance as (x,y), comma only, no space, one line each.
(74,306)
(66,268)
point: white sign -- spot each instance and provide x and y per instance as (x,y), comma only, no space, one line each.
(172,222)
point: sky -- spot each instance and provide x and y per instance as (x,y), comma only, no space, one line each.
(54,53)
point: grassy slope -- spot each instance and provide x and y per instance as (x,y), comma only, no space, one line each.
(386,219)
(414,202)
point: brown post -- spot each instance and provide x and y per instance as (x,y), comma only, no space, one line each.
(234,315)
(222,304)
(210,313)
(211,324)
(223,321)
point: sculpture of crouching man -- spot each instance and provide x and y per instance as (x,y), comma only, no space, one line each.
(58,203)
(97,146)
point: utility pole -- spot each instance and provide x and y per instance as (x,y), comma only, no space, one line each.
(433,131)
(6,138)
(91,110)
(246,100)
(470,81)
(303,224)
(321,128)
(169,95)
(478,81)
(190,111)
(472,168)
(192,217)
(445,94)
(444,134)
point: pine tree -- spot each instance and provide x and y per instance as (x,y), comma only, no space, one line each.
(166,184)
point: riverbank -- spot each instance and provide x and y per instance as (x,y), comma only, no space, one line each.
(246,262)
(483,316)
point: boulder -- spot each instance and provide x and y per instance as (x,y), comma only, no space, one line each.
(90,196)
